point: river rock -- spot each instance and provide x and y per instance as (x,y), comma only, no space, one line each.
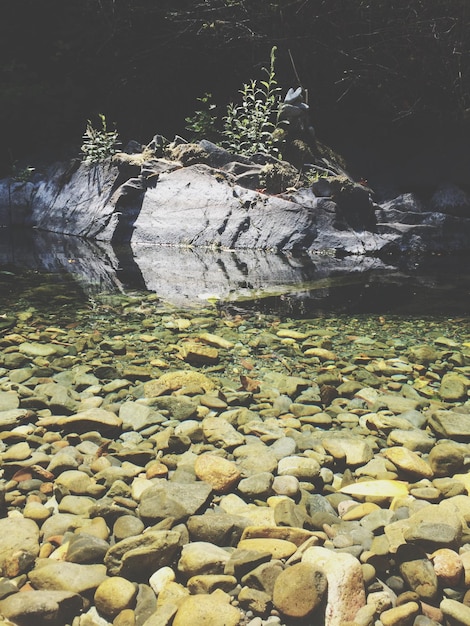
(114,595)
(450,425)
(85,548)
(220,473)
(41,607)
(200,557)
(446,458)
(136,557)
(453,388)
(299,590)
(221,529)
(17,533)
(219,432)
(62,576)
(408,461)
(302,468)
(172,499)
(207,610)
(346,594)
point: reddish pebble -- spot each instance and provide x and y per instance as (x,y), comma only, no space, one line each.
(448,566)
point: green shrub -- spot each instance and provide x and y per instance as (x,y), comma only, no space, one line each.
(249,126)
(98,143)
(203,124)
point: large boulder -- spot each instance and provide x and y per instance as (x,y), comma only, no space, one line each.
(142,199)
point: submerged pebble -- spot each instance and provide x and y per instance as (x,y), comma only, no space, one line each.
(162,466)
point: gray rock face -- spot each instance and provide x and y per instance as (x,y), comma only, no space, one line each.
(199,205)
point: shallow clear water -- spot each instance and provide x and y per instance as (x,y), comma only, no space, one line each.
(48,270)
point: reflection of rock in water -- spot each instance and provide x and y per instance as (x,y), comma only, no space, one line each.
(93,265)
(185,275)
(293,286)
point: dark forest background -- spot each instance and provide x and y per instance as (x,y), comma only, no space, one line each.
(387,80)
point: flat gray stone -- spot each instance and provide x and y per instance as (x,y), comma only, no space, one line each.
(172,499)
(137,557)
(42,607)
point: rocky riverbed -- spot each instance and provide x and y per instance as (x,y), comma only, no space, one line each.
(164,466)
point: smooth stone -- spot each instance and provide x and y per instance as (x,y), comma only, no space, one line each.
(299,590)
(285,486)
(126,617)
(136,416)
(12,417)
(172,593)
(254,458)
(400,615)
(179,408)
(415,440)
(42,607)
(37,512)
(86,548)
(145,603)
(242,561)
(434,526)
(408,461)
(62,461)
(449,424)
(297,536)
(264,576)
(256,486)
(98,419)
(63,576)
(127,526)
(278,548)
(160,578)
(170,499)
(178,379)
(32,349)
(136,557)
(453,388)
(200,557)
(456,612)
(221,529)
(220,473)
(358,511)
(423,354)
(9,400)
(418,572)
(448,567)
(345,595)
(79,483)
(207,610)
(302,468)
(114,595)
(77,505)
(59,524)
(207,583)
(219,432)
(285,446)
(287,513)
(446,459)
(353,450)
(17,533)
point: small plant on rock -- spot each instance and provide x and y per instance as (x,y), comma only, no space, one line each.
(203,124)
(98,143)
(22,174)
(249,126)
